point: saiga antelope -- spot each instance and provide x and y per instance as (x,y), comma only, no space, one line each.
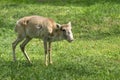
(40,27)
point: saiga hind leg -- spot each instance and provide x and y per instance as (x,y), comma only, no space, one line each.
(22,46)
(14,44)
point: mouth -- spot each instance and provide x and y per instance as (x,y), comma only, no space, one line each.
(70,40)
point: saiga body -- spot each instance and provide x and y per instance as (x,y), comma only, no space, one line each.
(43,28)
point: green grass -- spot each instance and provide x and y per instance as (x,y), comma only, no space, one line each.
(94,55)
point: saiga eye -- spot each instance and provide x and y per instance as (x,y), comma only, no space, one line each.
(63,30)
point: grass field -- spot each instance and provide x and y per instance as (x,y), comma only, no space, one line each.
(94,55)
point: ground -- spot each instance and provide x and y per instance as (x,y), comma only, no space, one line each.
(94,54)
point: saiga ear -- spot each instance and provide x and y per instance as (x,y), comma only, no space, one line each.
(69,24)
(58,26)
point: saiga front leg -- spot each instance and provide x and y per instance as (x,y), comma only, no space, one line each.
(46,53)
(50,54)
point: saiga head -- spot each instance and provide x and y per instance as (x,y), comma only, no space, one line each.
(66,31)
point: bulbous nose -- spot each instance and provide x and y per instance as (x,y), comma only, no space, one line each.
(71,40)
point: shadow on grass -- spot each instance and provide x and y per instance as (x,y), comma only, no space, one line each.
(81,3)
(75,2)
(22,71)
(86,67)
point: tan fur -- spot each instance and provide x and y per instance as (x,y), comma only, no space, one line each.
(39,27)
(35,26)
